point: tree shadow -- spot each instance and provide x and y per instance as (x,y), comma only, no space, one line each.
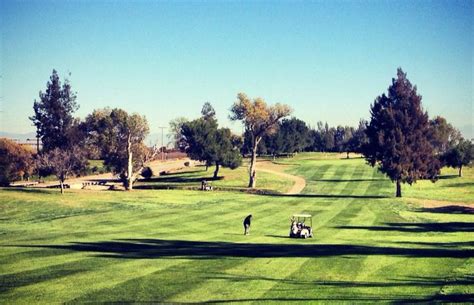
(159,248)
(461,184)
(447,176)
(450,209)
(350,180)
(443,245)
(330,196)
(356,298)
(309,284)
(418,227)
(278,236)
(32,190)
(104,181)
(180,179)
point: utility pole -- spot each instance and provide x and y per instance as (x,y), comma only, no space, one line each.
(33,140)
(162,146)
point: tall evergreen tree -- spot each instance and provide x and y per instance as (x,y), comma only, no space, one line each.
(53,114)
(208,112)
(398,135)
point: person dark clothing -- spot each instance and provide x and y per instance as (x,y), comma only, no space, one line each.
(247,221)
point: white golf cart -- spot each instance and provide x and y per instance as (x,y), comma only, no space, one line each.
(299,226)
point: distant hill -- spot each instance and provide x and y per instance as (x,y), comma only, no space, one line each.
(151,139)
(22,137)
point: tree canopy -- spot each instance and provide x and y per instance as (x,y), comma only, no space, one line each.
(459,155)
(174,134)
(53,113)
(119,137)
(205,142)
(444,136)
(398,135)
(63,162)
(259,119)
(290,136)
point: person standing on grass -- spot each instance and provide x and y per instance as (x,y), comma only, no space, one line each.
(247,224)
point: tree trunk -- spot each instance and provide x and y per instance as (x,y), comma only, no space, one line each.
(253,161)
(129,183)
(399,188)
(216,171)
(61,184)
(347,155)
(460,171)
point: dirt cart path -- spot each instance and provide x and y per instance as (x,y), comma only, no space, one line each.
(270,167)
(157,166)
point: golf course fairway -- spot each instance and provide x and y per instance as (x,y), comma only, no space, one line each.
(185,246)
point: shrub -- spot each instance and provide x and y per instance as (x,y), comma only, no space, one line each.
(147,172)
(16,162)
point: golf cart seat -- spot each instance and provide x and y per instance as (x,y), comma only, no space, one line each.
(206,186)
(299,227)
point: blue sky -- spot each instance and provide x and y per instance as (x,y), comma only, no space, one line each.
(164,59)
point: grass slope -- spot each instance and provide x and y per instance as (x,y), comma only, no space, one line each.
(187,246)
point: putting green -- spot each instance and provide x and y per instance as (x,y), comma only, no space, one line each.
(188,246)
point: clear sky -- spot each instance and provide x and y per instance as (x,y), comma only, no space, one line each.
(164,59)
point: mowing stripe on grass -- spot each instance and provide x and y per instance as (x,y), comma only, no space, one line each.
(232,282)
(75,285)
(163,284)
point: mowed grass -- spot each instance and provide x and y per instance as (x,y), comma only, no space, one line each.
(229,180)
(187,246)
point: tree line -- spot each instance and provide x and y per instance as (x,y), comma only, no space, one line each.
(112,135)
(400,138)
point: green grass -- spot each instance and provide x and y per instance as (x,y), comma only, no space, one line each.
(187,246)
(237,180)
(96,167)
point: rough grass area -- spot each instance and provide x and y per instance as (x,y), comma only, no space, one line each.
(187,246)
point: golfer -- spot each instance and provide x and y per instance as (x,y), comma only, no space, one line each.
(247,224)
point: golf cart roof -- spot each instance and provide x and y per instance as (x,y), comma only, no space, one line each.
(302,215)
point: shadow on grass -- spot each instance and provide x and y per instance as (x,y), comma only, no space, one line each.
(32,190)
(180,179)
(309,284)
(457,297)
(450,209)
(444,245)
(104,180)
(418,227)
(350,180)
(461,184)
(278,236)
(289,285)
(330,196)
(158,248)
(447,176)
